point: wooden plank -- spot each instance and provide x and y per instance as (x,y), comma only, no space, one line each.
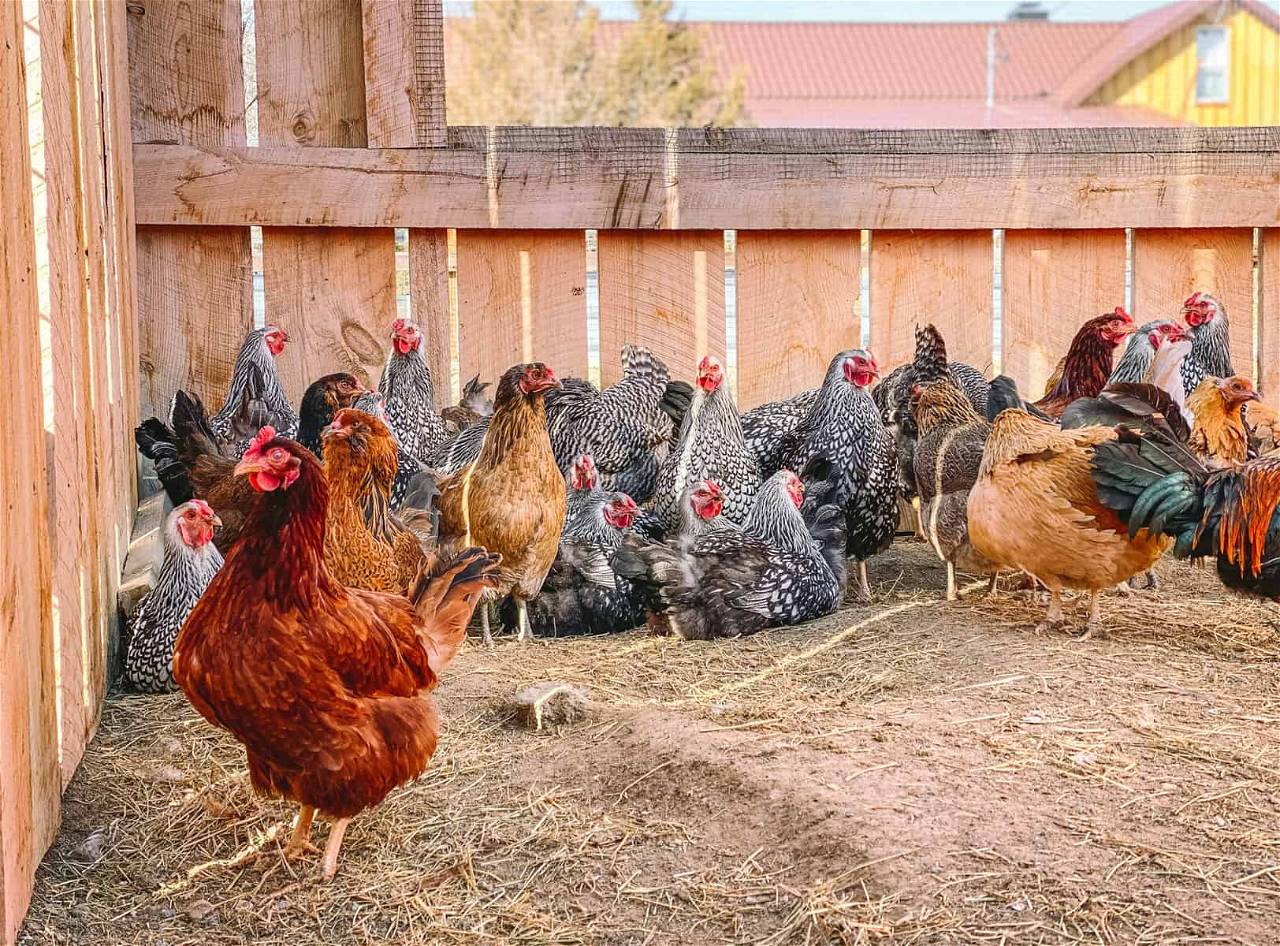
(1269,317)
(389,87)
(530,178)
(922,276)
(429,300)
(429,73)
(30,782)
(664,291)
(186,85)
(186,74)
(521,297)
(334,292)
(193,273)
(1169,265)
(1054,280)
(797,306)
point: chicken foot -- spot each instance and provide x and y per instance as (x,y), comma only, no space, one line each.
(1054,617)
(862,594)
(329,865)
(1095,616)
(300,840)
(526,631)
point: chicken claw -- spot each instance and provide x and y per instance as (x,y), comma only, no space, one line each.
(1094,624)
(299,841)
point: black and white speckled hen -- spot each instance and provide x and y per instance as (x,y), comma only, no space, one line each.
(1210,341)
(582,594)
(409,395)
(711,446)
(729,582)
(255,397)
(766,427)
(190,562)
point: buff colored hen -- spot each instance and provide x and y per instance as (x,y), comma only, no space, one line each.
(1035,507)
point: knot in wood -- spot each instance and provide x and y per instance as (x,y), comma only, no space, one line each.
(137,9)
(361,343)
(304,126)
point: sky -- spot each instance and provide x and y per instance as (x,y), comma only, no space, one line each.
(899,11)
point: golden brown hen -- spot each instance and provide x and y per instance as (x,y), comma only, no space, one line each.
(327,687)
(511,499)
(1219,437)
(1035,507)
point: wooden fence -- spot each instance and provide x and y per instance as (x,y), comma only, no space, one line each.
(67,468)
(836,230)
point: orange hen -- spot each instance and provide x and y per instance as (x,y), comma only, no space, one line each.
(327,687)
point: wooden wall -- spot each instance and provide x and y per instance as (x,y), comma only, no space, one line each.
(67,290)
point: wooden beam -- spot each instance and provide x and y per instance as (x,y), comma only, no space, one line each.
(612,178)
(1269,317)
(1054,280)
(404,72)
(797,306)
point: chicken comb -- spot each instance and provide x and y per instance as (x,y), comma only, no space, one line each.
(201,507)
(261,439)
(399,325)
(1193,299)
(1123,314)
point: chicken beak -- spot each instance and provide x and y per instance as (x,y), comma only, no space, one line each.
(216,521)
(248,465)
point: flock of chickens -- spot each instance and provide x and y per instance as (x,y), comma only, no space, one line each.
(321,568)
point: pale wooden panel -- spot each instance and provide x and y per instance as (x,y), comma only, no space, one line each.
(335,294)
(797,306)
(30,782)
(197,307)
(664,291)
(1269,319)
(1169,265)
(388,72)
(186,73)
(310,73)
(521,297)
(743,178)
(429,298)
(194,287)
(921,276)
(1054,280)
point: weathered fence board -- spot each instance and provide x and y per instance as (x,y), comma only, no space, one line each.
(429,298)
(1054,280)
(388,72)
(30,782)
(797,299)
(619,178)
(664,291)
(1269,317)
(1169,265)
(186,85)
(922,276)
(521,297)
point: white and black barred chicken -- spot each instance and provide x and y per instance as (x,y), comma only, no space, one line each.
(582,594)
(255,397)
(893,394)
(767,427)
(726,582)
(710,446)
(190,562)
(1210,341)
(408,391)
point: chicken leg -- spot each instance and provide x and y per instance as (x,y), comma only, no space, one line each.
(526,632)
(300,840)
(1095,615)
(1054,617)
(484,623)
(863,593)
(951,582)
(329,866)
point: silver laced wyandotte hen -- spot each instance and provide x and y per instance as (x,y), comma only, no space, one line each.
(950,439)
(767,428)
(1210,340)
(727,581)
(710,446)
(582,593)
(408,392)
(190,562)
(255,398)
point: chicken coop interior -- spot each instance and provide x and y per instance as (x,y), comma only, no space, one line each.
(830,782)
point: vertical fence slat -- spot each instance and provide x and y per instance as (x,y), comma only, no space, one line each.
(195,285)
(388,72)
(939,276)
(333,289)
(521,296)
(30,782)
(1169,265)
(664,290)
(1269,319)
(429,294)
(1054,280)
(797,306)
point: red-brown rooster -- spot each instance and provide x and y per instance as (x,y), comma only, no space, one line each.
(1088,363)
(328,688)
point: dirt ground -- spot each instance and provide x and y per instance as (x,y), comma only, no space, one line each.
(905,772)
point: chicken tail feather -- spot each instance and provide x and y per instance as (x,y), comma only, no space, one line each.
(158,444)
(445,594)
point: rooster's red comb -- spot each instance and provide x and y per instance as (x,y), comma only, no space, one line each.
(1121,313)
(264,437)
(1193,299)
(202,507)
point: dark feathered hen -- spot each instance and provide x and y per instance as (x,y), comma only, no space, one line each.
(710,447)
(728,582)
(1088,363)
(255,397)
(409,395)
(320,402)
(767,427)
(190,562)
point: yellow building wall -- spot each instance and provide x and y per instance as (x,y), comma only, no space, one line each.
(1164,77)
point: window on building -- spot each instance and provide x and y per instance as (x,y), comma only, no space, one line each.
(1213,64)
